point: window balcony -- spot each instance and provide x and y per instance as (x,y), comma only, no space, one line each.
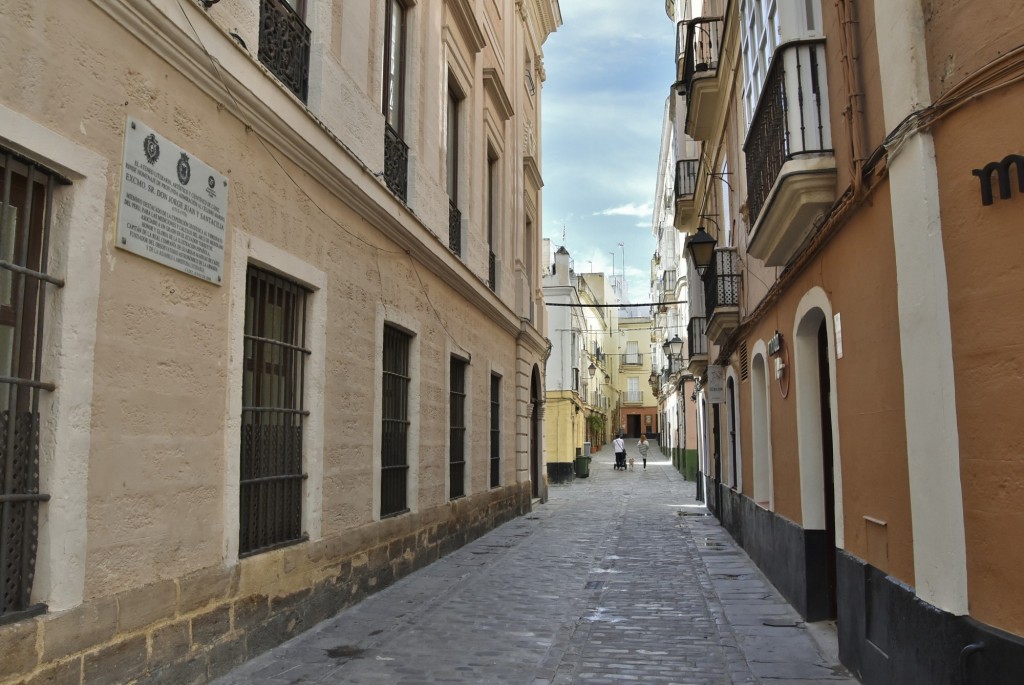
(633,397)
(632,359)
(492,270)
(396,163)
(722,294)
(284,45)
(791,168)
(686,189)
(699,43)
(697,345)
(455,229)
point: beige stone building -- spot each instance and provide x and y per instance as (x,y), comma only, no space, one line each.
(271,324)
(856,170)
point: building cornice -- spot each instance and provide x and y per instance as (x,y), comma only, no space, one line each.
(185,38)
(496,92)
(465,19)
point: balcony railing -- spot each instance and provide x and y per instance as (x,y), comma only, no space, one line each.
(722,281)
(791,118)
(686,178)
(491,271)
(700,42)
(668,281)
(633,397)
(632,359)
(696,337)
(396,163)
(455,229)
(284,45)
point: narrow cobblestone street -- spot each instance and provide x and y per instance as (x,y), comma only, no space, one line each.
(618,578)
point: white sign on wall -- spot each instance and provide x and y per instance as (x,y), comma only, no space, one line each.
(714,386)
(173,207)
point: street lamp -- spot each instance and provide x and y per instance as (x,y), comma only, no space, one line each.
(592,369)
(701,247)
(673,350)
(655,382)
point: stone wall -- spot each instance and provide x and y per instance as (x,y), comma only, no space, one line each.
(192,629)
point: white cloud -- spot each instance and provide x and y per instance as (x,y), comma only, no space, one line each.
(630,209)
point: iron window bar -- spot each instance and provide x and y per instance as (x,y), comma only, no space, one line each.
(272,476)
(26,211)
(696,336)
(686,178)
(495,431)
(457,427)
(394,422)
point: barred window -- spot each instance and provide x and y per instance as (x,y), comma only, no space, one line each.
(394,463)
(285,42)
(26,208)
(272,413)
(495,430)
(457,428)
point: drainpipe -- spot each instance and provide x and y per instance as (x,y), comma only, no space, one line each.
(850,59)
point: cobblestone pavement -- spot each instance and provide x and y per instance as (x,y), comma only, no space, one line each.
(619,578)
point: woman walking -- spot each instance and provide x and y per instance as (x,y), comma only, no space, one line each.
(642,448)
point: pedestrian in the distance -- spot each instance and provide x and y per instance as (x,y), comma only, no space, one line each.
(642,448)
(620,451)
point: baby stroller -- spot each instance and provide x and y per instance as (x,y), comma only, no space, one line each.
(620,460)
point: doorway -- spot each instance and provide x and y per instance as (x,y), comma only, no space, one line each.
(828,478)
(535,433)
(633,426)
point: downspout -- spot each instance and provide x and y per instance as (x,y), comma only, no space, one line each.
(852,82)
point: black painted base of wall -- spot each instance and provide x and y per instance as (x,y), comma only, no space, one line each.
(888,635)
(561,472)
(792,558)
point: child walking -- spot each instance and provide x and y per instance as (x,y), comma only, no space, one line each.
(642,448)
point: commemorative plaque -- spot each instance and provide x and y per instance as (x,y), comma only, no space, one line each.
(172,207)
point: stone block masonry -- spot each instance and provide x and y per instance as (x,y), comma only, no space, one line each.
(190,630)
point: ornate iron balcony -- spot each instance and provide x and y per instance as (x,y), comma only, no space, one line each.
(396,163)
(791,118)
(284,45)
(454,228)
(722,281)
(492,276)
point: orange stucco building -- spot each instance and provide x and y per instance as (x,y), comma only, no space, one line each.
(860,172)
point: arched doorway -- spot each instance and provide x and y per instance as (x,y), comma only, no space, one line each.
(814,364)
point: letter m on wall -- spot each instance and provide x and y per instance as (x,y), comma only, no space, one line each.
(1002,171)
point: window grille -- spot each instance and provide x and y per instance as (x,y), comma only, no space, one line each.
(396,152)
(395,422)
(272,413)
(495,431)
(744,364)
(26,209)
(457,415)
(284,43)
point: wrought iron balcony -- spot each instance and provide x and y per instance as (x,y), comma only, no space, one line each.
(686,179)
(633,397)
(284,45)
(492,275)
(455,228)
(791,172)
(396,163)
(722,293)
(697,344)
(698,45)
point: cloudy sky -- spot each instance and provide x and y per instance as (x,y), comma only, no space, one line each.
(609,68)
